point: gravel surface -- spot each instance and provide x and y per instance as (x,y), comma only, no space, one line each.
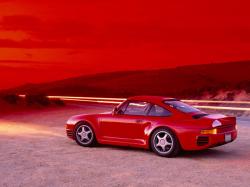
(34,151)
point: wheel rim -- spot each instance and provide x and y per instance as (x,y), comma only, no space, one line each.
(163,142)
(84,134)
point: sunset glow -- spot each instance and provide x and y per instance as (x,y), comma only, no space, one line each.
(51,40)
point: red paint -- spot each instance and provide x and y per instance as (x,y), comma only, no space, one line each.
(126,130)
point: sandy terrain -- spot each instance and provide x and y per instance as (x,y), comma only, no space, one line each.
(34,151)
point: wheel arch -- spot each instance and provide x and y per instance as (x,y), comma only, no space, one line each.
(160,127)
(84,121)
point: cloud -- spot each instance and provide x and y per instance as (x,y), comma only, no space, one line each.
(31,44)
(13,35)
(19,61)
(23,63)
(45,34)
(80,33)
(21,22)
(46,28)
(4,1)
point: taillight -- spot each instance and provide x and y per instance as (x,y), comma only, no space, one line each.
(209,131)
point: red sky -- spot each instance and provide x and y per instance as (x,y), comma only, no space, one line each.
(46,40)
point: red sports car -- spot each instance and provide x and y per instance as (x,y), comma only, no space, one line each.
(162,124)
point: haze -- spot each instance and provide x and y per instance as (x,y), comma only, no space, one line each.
(50,40)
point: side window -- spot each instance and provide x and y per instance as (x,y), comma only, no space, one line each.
(137,108)
(122,108)
(158,111)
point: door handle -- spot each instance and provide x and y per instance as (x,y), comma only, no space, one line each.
(138,121)
(142,121)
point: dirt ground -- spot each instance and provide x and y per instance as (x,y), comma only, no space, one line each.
(34,151)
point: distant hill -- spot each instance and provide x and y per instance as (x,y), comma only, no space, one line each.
(186,81)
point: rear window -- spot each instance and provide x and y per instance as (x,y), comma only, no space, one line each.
(183,107)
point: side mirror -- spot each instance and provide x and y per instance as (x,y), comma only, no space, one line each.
(115,110)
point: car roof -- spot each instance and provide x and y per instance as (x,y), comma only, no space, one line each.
(151,99)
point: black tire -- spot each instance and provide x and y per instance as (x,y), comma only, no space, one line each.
(88,134)
(171,143)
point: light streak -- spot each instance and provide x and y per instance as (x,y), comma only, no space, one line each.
(22,96)
(104,100)
(213,101)
(93,101)
(87,98)
(223,108)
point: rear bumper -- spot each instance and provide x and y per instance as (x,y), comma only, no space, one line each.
(70,131)
(200,141)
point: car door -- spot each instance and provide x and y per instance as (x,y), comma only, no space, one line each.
(127,124)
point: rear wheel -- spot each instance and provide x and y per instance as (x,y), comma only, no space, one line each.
(165,143)
(84,135)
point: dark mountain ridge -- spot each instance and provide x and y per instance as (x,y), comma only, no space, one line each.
(186,81)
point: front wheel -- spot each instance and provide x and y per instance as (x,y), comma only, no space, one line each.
(84,135)
(165,143)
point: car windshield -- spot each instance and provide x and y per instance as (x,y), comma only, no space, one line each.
(183,107)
